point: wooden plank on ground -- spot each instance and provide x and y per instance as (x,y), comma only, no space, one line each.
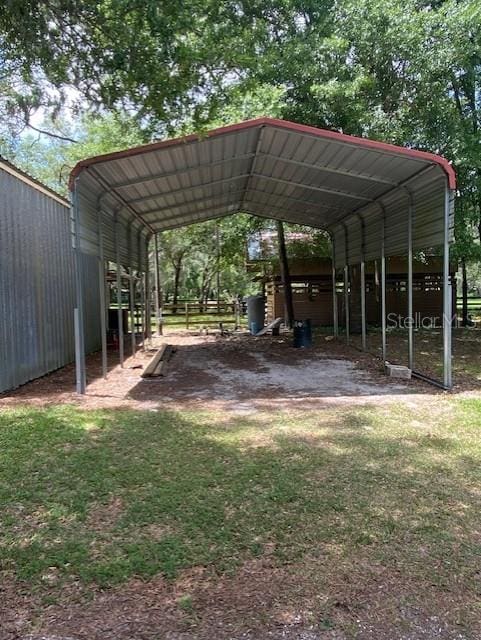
(161,370)
(165,358)
(272,325)
(150,368)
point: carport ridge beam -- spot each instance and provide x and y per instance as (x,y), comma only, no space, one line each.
(253,163)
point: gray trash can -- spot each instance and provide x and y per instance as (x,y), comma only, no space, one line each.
(256,311)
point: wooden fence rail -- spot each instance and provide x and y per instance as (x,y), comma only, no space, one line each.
(194,313)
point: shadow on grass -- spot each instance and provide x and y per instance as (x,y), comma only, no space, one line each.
(104,495)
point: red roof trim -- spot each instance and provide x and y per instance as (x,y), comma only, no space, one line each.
(281,124)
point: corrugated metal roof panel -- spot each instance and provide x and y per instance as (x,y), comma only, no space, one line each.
(269,168)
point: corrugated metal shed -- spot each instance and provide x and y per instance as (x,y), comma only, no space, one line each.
(37,287)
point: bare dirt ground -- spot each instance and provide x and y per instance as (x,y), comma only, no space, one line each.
(238,373)
(261,602)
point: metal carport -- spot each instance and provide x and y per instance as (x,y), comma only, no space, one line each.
(375,200)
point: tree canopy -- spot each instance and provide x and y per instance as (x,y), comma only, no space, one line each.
(407,72)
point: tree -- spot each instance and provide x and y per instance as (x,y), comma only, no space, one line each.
(408,73)
(51,159)
(191,264)
(166,63)
(285,276)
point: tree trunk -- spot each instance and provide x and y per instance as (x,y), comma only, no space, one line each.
(285,276)
(355,315)
(465,320)
(175,295)
(217,265)
(204,289)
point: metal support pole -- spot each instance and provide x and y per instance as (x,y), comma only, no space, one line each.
(80,372)
(363,285)
(335,319)
(447,296)
(383,285)
(140,276)
(103,309)
(410,284)
(158,323)
(346,284)
(120,321)
(363,306)
(346,302)
(133,340)
(148,309)
(133,343)
(144,309)
(217,250)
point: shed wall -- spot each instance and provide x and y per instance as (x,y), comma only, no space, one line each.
(37,288)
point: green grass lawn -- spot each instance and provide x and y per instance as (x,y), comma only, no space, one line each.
(198,320)
(190,489)
(472,302)
(100,496)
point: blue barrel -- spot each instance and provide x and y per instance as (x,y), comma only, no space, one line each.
(307,333)
(255,327)
(302,334)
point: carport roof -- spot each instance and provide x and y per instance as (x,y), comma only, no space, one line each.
(266,167)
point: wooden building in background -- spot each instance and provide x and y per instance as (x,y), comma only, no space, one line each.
(312,290)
